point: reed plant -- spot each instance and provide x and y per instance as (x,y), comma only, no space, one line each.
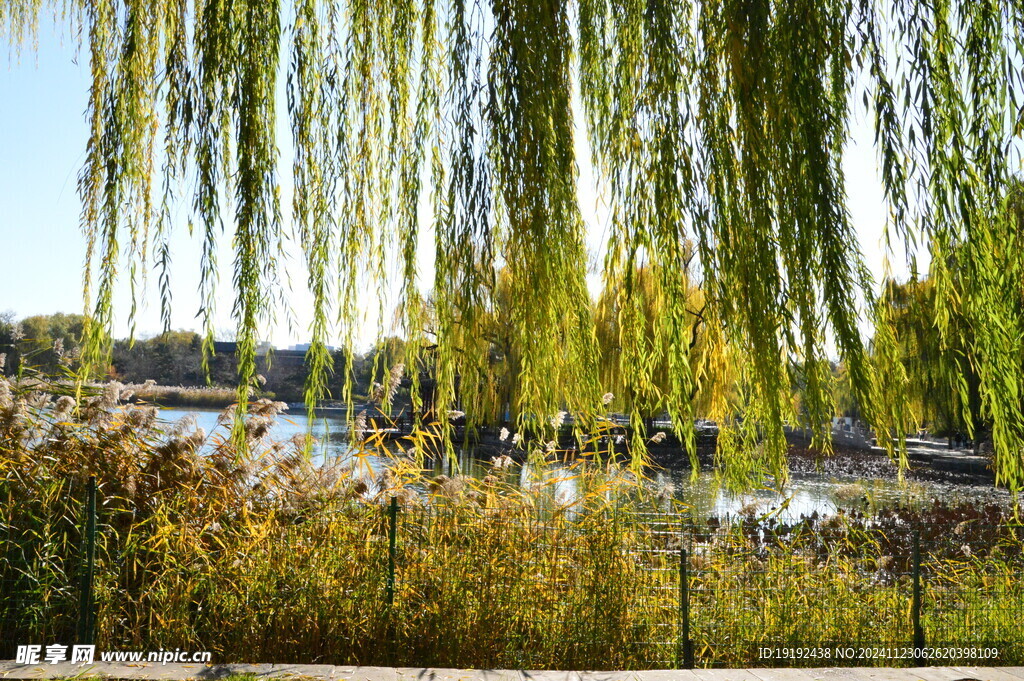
(257,553)
(208,397)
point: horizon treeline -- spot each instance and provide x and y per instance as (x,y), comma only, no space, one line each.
(51,345)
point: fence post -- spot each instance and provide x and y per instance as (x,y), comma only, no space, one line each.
(392,550)
(86,615)
(684,607)
(916,605)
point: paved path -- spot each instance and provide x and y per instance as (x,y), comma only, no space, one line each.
(181,672)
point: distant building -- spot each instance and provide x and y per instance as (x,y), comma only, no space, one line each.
(231,348)
(292,356)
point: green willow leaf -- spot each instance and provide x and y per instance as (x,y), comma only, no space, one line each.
(732,273)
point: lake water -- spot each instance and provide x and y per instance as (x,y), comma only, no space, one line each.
(331,433)
(805,494)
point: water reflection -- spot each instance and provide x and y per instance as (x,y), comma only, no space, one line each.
(806,493)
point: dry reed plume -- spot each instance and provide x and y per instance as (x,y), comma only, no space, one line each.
(262,554)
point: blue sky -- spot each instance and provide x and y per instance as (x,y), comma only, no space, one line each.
(42,113)
(42,100)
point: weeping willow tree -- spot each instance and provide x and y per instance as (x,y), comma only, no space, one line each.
(941,360)
(491,394)
(633,334)
(721,124)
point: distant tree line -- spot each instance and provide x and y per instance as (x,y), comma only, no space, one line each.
(50,345)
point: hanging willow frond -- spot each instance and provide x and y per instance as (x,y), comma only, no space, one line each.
(717,129)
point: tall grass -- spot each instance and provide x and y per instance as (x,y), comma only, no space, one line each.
(849,583)
(264,556)
(210,397)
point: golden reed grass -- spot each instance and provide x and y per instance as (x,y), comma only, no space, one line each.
(261,554)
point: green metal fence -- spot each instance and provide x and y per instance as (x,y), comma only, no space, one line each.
(480,586)
(47,575)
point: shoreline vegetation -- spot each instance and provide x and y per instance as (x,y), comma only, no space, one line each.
(258,554)
(844,461)
(663,449)
(203,397)
(149,392)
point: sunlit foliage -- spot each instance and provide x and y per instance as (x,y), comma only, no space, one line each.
(937,340)
(720,124)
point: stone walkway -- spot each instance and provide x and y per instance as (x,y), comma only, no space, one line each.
(181,672)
